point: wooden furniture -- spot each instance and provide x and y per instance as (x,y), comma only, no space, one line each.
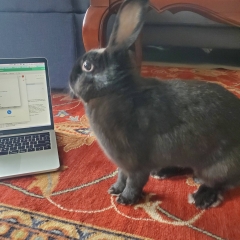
(95,21)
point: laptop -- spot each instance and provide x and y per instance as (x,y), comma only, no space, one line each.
(27,138)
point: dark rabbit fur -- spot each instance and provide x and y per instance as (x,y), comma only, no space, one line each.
(148,125)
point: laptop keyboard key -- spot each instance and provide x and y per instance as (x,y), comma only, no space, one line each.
(47,147)
(13,152)
(31,149)
(39,148)
(39,145)
(3,153)
(22,150)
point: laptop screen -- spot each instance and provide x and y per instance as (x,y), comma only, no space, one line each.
(24,99)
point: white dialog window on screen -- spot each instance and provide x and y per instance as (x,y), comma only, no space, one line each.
(14,91)
(9,92)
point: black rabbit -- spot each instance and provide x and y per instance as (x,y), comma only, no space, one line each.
(146,125)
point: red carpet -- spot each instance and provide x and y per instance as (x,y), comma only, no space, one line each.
(73,203)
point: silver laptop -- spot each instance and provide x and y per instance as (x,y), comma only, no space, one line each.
(27,138)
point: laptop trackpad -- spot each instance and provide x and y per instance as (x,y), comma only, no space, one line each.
(10,164)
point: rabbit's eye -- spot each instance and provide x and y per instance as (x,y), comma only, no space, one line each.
(87,66)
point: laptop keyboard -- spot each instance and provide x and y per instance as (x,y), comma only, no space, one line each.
(25,143)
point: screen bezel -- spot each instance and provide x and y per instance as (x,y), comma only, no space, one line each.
(31,129)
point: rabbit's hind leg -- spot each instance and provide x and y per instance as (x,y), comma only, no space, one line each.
(206,197)
(221,173)
(214,181)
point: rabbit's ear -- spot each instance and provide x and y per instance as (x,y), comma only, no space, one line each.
(128,23)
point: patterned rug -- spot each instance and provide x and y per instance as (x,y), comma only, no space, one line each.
(73,203)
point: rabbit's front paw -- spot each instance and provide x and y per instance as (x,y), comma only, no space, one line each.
(128,200)
(116,189)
